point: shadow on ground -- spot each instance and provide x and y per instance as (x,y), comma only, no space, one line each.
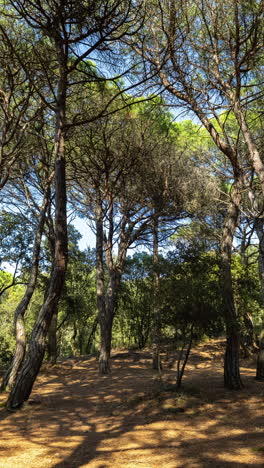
(133,419)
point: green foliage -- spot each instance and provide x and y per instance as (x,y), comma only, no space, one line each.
(77,309)
(192,293)
(135,308)
(8,302)
(141,159)
(15,238)
(247,288)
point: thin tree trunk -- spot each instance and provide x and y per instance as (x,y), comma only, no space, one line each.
(91,336)
(52,344)
(248,343)
(232,378)
(106,321)
(248,339)
(100,287)
(106,296)
(253,152)
(180,371)
(156,361)
(73,340)
(105,347)
(260,360)
(259,224)
(20,350)
(25,381)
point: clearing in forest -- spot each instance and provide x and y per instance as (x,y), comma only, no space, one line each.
(133,418)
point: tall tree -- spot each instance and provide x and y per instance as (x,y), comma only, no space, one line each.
(205,65)
(108,192)
(63,26)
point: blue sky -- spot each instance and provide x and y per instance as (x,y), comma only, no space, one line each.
(88,237)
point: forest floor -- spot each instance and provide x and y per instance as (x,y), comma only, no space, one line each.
(134,418)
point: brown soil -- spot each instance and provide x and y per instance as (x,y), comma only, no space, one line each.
(133,418)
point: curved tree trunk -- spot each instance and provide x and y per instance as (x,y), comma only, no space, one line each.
(232,378)
(25,381)
(20,350)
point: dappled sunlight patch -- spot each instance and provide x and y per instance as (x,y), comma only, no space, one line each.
(135,418)
(235,455)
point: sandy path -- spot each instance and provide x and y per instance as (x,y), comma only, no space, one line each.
(130,419)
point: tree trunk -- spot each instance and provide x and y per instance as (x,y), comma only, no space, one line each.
(20,351)
(231,363)
(260,360)
(106,321)
(253,152)
(259,223)
(156,361)
(11,375)
(25,381)
(180,370)
(52,344)
(232,378)
(248,344)
(88,346)
(52,352)
(105,346)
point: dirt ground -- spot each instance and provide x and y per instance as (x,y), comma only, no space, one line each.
(135,419)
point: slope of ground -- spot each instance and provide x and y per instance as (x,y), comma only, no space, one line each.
(133,418)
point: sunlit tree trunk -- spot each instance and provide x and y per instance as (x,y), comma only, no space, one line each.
(105,344)
(25,381)
(106,321)
(108,286)
(156,361)
(232,378)
(52,342)
(259,224)
(248,339)
(20,350)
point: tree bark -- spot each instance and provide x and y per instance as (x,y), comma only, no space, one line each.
(260,360)
(259,224)
(248,339)
(91,336)
(253,152)
(100,291)
(20,350)
(52,351)
(232,378)
(106,321)
(106,294)
(156,361)
(180,371)
(52,344)
(25,381)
